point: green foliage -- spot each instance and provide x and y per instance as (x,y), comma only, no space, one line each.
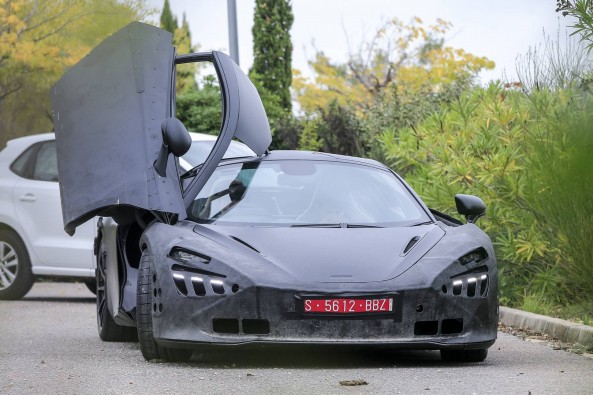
(186,73)
(338,131)
(562,164)
(272,48)
(528,158)
(309,139)
(200,109)
(168,21)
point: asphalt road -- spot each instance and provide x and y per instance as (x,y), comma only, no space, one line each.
(49,344)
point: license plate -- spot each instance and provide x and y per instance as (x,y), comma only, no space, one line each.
(347,305)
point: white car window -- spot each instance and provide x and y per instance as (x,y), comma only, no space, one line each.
(46,165)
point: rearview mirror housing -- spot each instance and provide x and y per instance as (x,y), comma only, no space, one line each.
(472,207)
(176,140)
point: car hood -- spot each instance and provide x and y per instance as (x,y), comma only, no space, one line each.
(331,254)
(107,113)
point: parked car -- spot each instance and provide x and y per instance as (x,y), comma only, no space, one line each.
(277,248)
(32,238)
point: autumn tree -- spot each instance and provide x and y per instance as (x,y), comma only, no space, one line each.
(39,39)
(272,48)
(411,56)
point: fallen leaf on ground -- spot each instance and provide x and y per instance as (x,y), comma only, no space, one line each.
(350,383)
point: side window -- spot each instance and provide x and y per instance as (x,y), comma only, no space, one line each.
(22,165)
(46,165)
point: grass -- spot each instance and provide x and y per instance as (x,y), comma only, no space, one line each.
(578,312)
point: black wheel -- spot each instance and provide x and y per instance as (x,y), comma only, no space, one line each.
(464,355)
(91,285)
(16,277)
(108,330)
(145,305)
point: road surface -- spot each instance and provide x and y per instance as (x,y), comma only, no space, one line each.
(49,344)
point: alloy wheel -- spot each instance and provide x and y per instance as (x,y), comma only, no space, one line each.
(9,265)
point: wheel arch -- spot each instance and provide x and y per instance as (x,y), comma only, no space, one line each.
(32,258)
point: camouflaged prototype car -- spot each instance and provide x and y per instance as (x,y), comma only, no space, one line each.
(276,248)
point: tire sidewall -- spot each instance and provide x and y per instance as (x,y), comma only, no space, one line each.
(24,277)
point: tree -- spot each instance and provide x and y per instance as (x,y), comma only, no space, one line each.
(38,41)
(168,21)
(412,56)
(272,48)
(186,73)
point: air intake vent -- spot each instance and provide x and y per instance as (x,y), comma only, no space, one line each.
(217,286)
(179,280)
(426,328)
(225,325)
(256,327)
(452,326)
(245,244)
(198,284)
(411,244)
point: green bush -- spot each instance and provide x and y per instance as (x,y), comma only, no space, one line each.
(525,157)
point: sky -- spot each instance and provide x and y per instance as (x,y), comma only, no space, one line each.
(497,29)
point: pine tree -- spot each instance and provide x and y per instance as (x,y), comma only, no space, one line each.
(168,21)
(272,48)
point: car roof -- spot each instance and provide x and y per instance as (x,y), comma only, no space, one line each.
(312,156)
(16,146)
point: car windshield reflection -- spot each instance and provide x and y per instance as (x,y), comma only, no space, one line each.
(305,194)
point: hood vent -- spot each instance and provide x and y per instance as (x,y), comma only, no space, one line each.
(411,244)
(245,244)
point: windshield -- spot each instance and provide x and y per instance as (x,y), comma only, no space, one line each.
(305,193)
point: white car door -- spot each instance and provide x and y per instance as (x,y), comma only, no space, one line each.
(36,199)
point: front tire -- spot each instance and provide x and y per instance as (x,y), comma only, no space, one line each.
(108,329)
(16,277)
(144,307)
(477,355)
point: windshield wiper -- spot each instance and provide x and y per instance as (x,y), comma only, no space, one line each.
(422,223)
(316,226)
(191,172)
(341,225)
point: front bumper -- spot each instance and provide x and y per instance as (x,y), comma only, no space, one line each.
(423,318)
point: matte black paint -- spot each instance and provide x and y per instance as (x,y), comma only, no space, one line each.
(107,113)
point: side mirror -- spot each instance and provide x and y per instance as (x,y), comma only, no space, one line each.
(176,140)
(472,207)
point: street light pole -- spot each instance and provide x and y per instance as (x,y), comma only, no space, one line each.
(233,37)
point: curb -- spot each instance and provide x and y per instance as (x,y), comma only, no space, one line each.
(563,330)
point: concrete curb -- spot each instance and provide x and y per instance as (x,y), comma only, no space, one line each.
(563,330)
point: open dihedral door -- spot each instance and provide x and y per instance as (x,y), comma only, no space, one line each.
(107,113)
(108,110)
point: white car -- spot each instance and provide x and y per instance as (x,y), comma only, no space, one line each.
(32,238)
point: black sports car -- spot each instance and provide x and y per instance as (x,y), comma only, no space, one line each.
(282,247)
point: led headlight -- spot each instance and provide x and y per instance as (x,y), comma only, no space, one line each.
(187,256)
(476,255)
